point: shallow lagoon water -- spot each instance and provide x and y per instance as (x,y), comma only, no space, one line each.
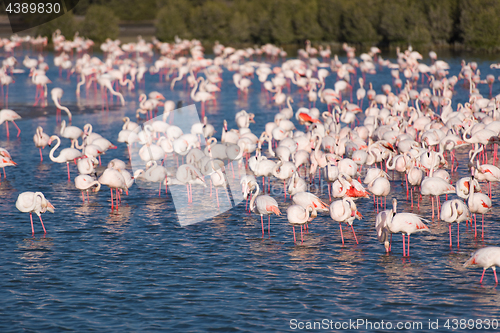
(137,269)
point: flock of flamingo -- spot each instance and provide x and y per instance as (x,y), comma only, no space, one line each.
(409,126)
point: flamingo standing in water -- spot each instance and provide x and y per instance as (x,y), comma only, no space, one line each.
(65,156)
(85,183)
(7,115)
(56,94)
(262,205)
(345,210)
(114,180)
(360,93)
(201,96)
(455,211)
(405,223)
(486,257)
(5,80)
(41,80)
(478,203)
(5,160)
(41,140)
(298,215)
(34,202)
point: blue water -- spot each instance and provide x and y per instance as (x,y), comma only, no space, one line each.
(137,269)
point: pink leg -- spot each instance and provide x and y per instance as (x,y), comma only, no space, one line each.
(44,231)
(67,164)
(7,127)
(294,240)
(111,198)
(482,227)
(32,229)
(408,252)
(41,157)
(404,246)
(449,227)
(83,197)
(301,236)
(341,235)
(432,200)
(495,272)
(217,195)
(482,276)
(475,227)
(284,188)
(268,224)
(262,223)
(356,238)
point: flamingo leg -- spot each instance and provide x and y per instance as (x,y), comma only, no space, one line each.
(356,238)
(458,236)
(41,157)
(294,240)
(262,223)
(111,198)
(32,229)
(67,165)
(449,227)
(18,129)
(284,187)
(341,235)
(7,127)
(482,276)
(83,197)
(87,196)
(432,200)
(408,252)
(404,246)
(482,226)
(268,224)
(217,195)
(495,273)
(301,236)
(475,227)
(44,231)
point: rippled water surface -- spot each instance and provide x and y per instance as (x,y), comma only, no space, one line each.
(137,269)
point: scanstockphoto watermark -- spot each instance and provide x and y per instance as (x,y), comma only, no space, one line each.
(362,324)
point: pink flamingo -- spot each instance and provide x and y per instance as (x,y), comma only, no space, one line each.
(262,204)
(298,215)
(478,203)
(7,115)
(41,140)
(486,257)
(455,211)
(65,156)
(34,202)
(405,223)
(345,210)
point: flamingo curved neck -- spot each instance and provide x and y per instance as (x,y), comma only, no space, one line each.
(252,202)
(51,155)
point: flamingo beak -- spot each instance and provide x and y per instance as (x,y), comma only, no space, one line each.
(358,215)
(50,207)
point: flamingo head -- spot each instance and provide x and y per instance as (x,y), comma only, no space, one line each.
(52,138)
(49,206)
